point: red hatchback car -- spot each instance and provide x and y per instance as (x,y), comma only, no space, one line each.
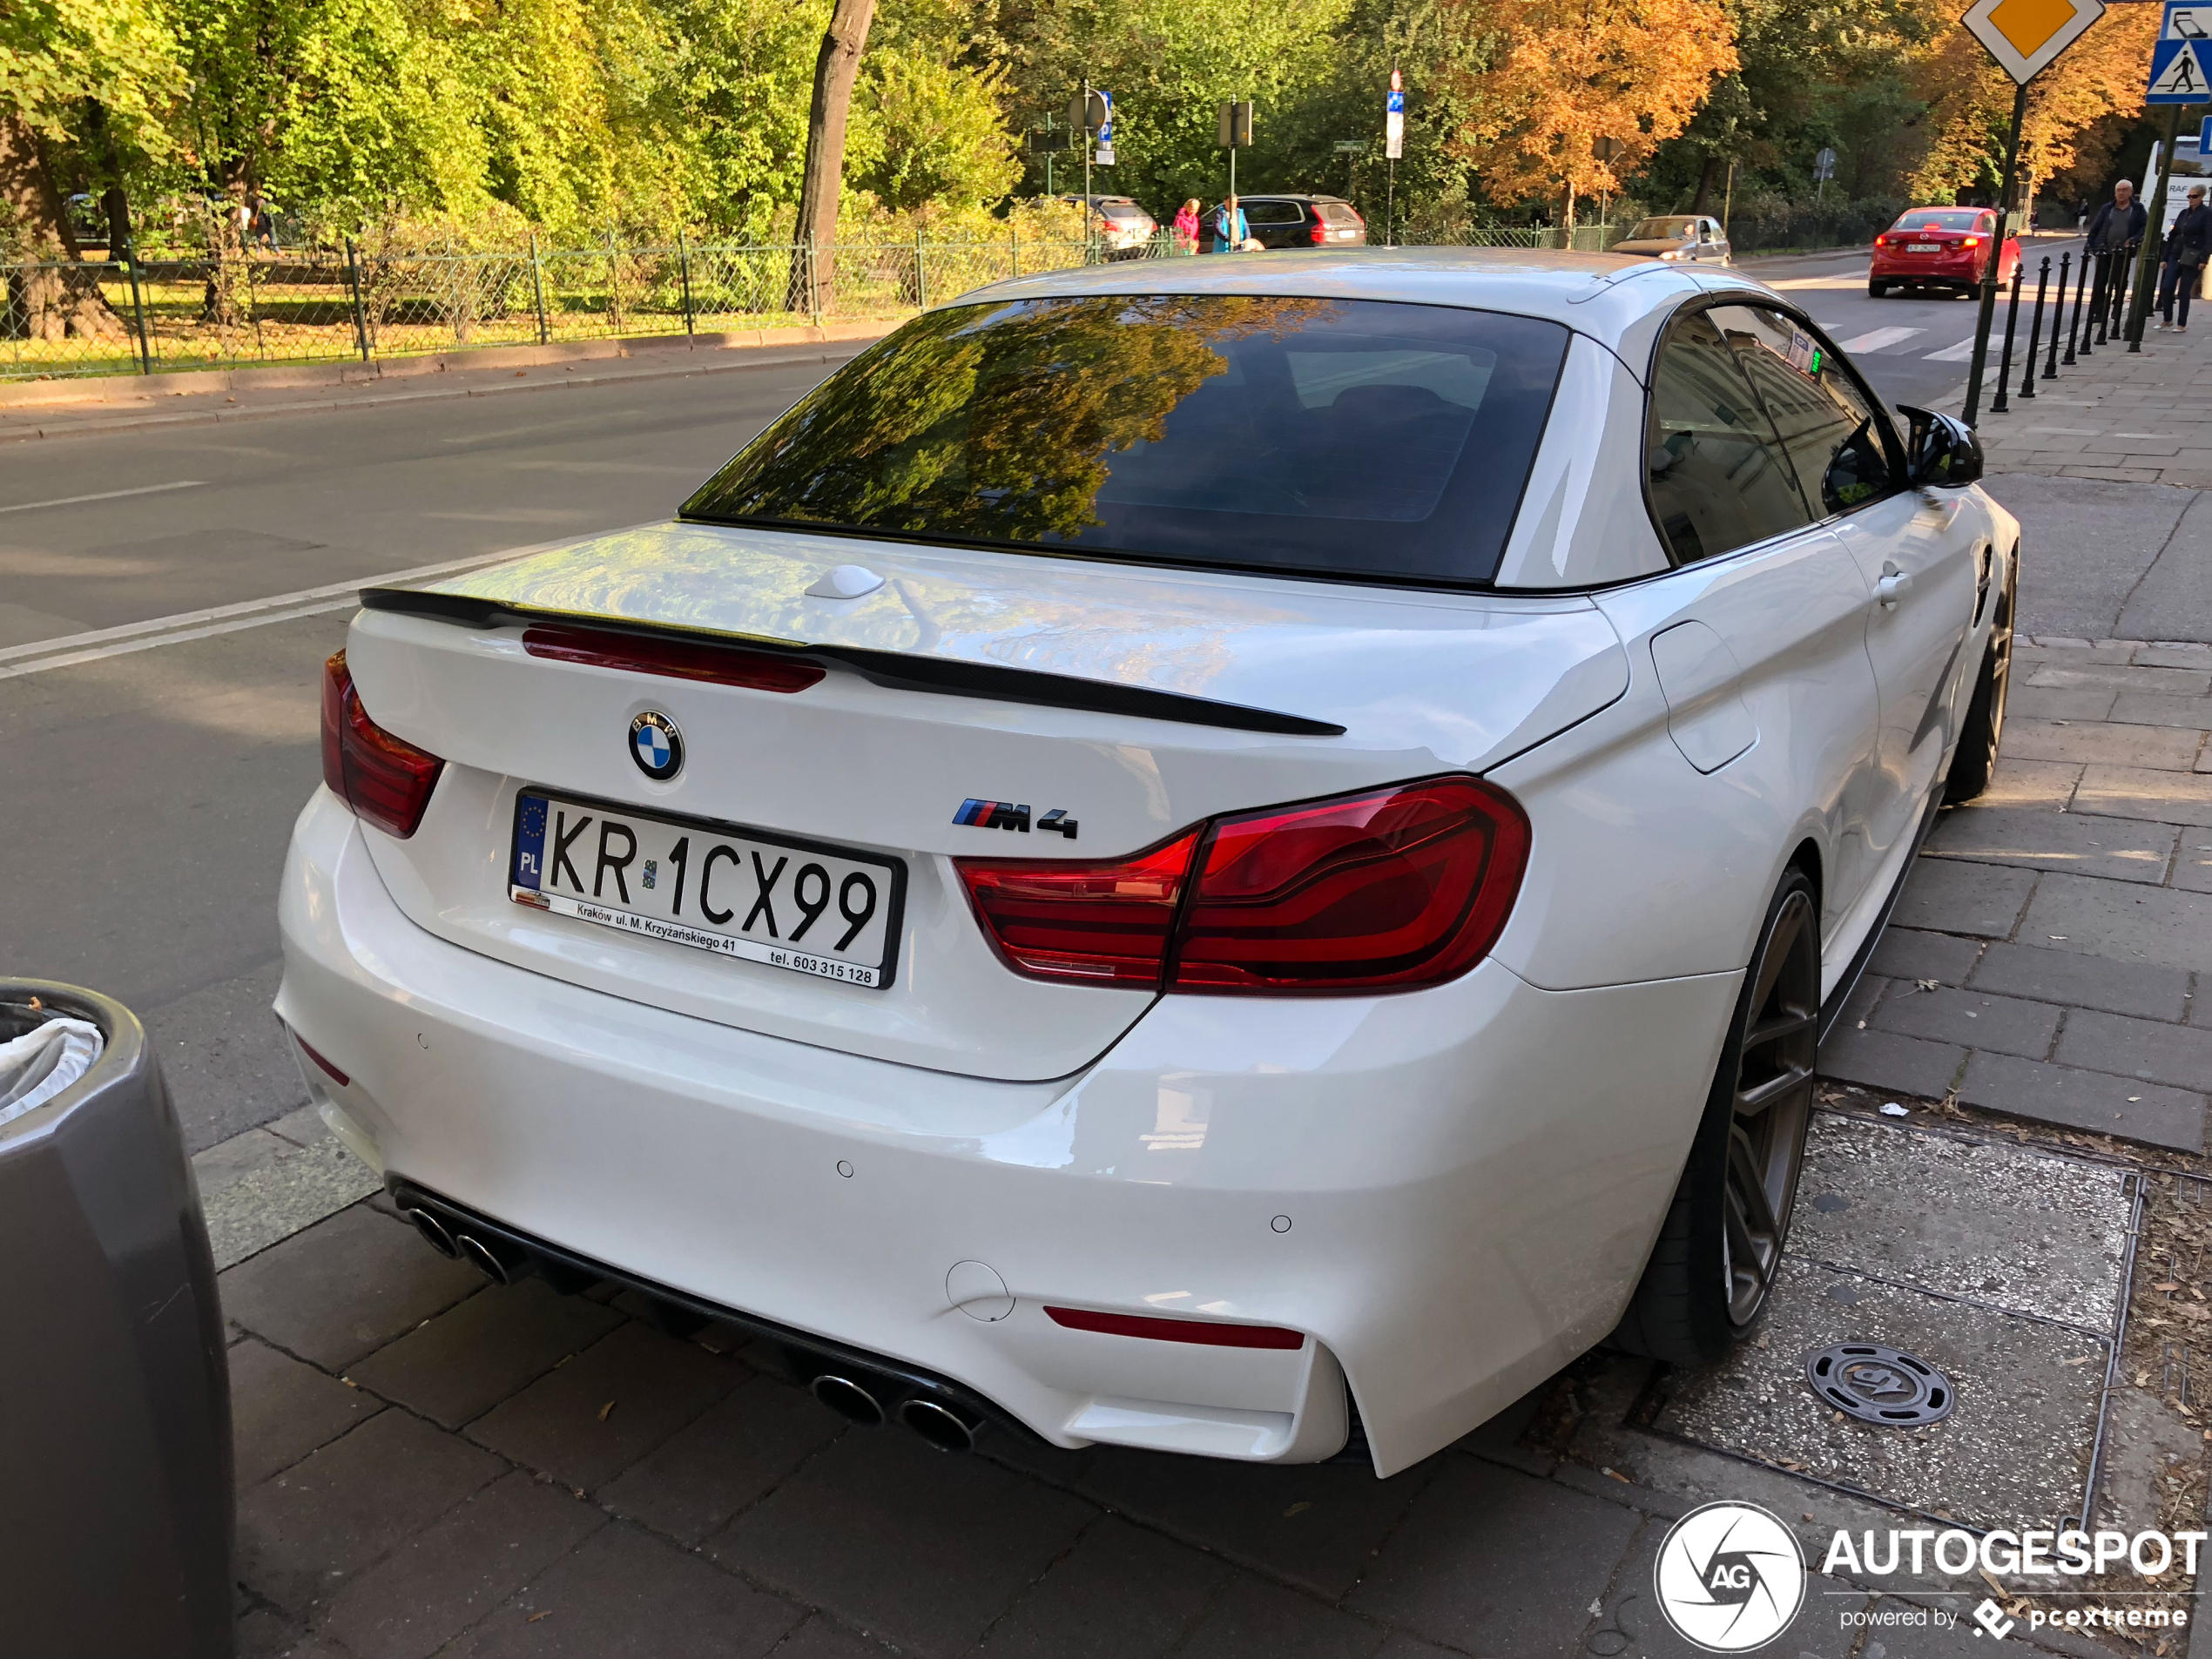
(1940,247)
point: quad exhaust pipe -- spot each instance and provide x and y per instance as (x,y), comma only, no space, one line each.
(861,1394)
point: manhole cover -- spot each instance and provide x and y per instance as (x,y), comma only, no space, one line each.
(1880,1385)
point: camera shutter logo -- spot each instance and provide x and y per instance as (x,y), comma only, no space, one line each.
(1730,1577)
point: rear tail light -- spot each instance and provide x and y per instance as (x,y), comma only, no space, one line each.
(1390,889)
(1202,1331)
(680,659)
(385,779)
(1970,241)
(1319,233)
(1108,924)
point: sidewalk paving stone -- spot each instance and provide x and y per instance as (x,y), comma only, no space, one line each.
(1912,953)
(2122,676)
(1497,1562)
(1972,1019)
(894,1538)
(586,1420)
(2031,782)
(2123,921)
(1260,1621)
(725,1462)
(2025,702)
(302,1533)
(449,1575)
(2135,708)
(2193,869)
(2029,840)
(1952,896)
(1082,1608)
(1887,1060)
(1314,1525)
(626,1595)
(2095,743)
(819,1639)
(2140,793)
(281,1409)
(344,1287)
(2152,1051)
(2087,1100)
(2147,991)
(460,1365)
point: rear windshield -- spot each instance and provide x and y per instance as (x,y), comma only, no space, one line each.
(1939,218)
(1350,438)
(1337,212)
(1121,210)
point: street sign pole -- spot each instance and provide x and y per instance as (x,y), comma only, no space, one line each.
(1988,312)
(2025,40)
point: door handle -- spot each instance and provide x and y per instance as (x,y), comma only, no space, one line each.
(1892,585)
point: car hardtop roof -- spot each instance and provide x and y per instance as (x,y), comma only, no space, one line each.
(1286,196)
(1603,295)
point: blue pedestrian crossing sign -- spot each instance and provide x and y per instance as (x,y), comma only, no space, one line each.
(2178,73)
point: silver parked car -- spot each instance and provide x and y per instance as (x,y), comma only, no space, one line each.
(1691,237)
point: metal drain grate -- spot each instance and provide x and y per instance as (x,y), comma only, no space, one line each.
(1880,1385)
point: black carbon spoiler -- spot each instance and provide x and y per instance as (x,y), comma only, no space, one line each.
(894,671)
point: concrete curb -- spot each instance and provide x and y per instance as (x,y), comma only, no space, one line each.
(143,388)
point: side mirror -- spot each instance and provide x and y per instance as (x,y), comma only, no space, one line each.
(1941,450)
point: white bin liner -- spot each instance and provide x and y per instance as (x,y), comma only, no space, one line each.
(42,1062)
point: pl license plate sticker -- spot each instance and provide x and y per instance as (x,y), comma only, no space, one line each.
(1923,247)
(763,898)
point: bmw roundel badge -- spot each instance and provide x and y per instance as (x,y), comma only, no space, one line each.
(657,746)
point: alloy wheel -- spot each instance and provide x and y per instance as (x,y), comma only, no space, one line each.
(1772,1105)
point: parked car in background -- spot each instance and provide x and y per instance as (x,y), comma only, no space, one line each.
(1940,247)
(1250,876)
(1120,223)
(1303,221)
(1695,238)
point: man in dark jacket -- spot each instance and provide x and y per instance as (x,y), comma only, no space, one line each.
(2187,246)
(2117,228)
(2119,223)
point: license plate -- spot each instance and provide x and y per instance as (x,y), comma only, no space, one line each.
(746,892)
(1923,247)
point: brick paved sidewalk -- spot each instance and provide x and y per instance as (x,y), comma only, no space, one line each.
(2052,956)
(2127,417)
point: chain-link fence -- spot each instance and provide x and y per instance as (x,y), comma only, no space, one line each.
(119,316)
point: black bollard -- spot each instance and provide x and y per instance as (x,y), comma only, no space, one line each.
(2035,327)
(2011,321)
(2058,314)
(2124,272)
(2081,282)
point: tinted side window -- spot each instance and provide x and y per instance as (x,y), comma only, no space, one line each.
(1830,432)
(1268,212)
(1718,478)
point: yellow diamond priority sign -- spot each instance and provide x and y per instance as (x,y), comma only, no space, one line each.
(2026,36)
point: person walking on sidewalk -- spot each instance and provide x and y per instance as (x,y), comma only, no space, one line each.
(2186,244)
(2118,226)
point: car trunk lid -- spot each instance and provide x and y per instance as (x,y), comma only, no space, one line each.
(1134,701)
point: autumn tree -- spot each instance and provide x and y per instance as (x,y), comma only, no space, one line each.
(837,65)
(1969,102)
(1565,73)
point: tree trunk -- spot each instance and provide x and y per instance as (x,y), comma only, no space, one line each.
(1702,201)
(836,67)
(52,300)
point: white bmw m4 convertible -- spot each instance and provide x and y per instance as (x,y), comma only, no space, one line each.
(1242,856)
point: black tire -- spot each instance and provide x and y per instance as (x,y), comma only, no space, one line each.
(1721,1245)
(1974,762)
(1876,290)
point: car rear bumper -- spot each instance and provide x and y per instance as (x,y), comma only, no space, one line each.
(1451,1192)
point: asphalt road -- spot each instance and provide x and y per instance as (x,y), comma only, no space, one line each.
(149,792)
(1912,349)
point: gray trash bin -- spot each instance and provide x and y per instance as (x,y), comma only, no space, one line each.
(115,1503)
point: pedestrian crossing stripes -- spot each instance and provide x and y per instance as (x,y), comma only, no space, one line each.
(1958,353)
(1879,339)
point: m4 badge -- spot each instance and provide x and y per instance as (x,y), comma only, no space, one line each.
(1004,814)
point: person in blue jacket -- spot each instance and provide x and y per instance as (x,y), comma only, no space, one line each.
(1227,228)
